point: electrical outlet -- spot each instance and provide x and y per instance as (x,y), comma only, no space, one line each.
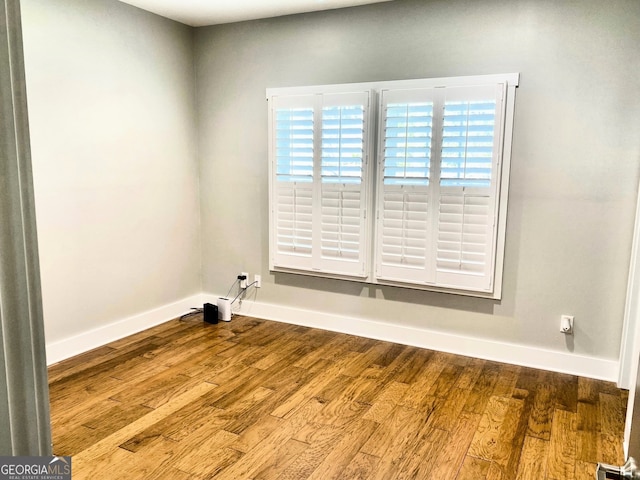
(566,324)
(257,280)
(244,283)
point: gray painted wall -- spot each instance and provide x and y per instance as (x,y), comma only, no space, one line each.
(112,111)
(575,163)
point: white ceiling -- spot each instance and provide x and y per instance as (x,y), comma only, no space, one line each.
(198,13)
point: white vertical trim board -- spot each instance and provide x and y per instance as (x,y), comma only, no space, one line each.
(630,341)
(515,354)
(97,337)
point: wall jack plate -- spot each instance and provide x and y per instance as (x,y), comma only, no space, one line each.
(566,324)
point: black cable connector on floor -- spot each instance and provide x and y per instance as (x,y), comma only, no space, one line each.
(194,311)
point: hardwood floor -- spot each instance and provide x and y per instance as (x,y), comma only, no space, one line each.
(254,399)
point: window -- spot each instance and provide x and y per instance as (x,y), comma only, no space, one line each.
(428,211)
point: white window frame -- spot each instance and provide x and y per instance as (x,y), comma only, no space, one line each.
(372,180)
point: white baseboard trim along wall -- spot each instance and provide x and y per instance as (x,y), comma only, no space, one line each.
(472,347)
(67,348)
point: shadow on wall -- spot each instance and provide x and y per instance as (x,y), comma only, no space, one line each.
(396,294)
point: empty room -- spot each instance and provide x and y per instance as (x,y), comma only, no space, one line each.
(350,239)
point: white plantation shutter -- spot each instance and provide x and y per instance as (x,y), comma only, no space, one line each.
(404,213)
(435,219)
(470,154)
(438,185)
(343,188)
(319,184)
(293,125)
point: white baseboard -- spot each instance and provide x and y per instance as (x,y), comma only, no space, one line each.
(515,354)
(63,349)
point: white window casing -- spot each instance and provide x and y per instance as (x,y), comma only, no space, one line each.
(421,205)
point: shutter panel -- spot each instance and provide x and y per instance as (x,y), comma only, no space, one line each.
(403,247)
(292,181)
(343,230)
(319,182)
(465,253)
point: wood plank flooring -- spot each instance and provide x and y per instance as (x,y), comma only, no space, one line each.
(253,399)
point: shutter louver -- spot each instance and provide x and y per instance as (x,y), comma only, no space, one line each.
(407,143)
(467,143)
(294,145)
(294,219)
(341,230)
(342,144)
(403,239)
(463,233)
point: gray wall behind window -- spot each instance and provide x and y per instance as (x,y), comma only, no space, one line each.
(575,161)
